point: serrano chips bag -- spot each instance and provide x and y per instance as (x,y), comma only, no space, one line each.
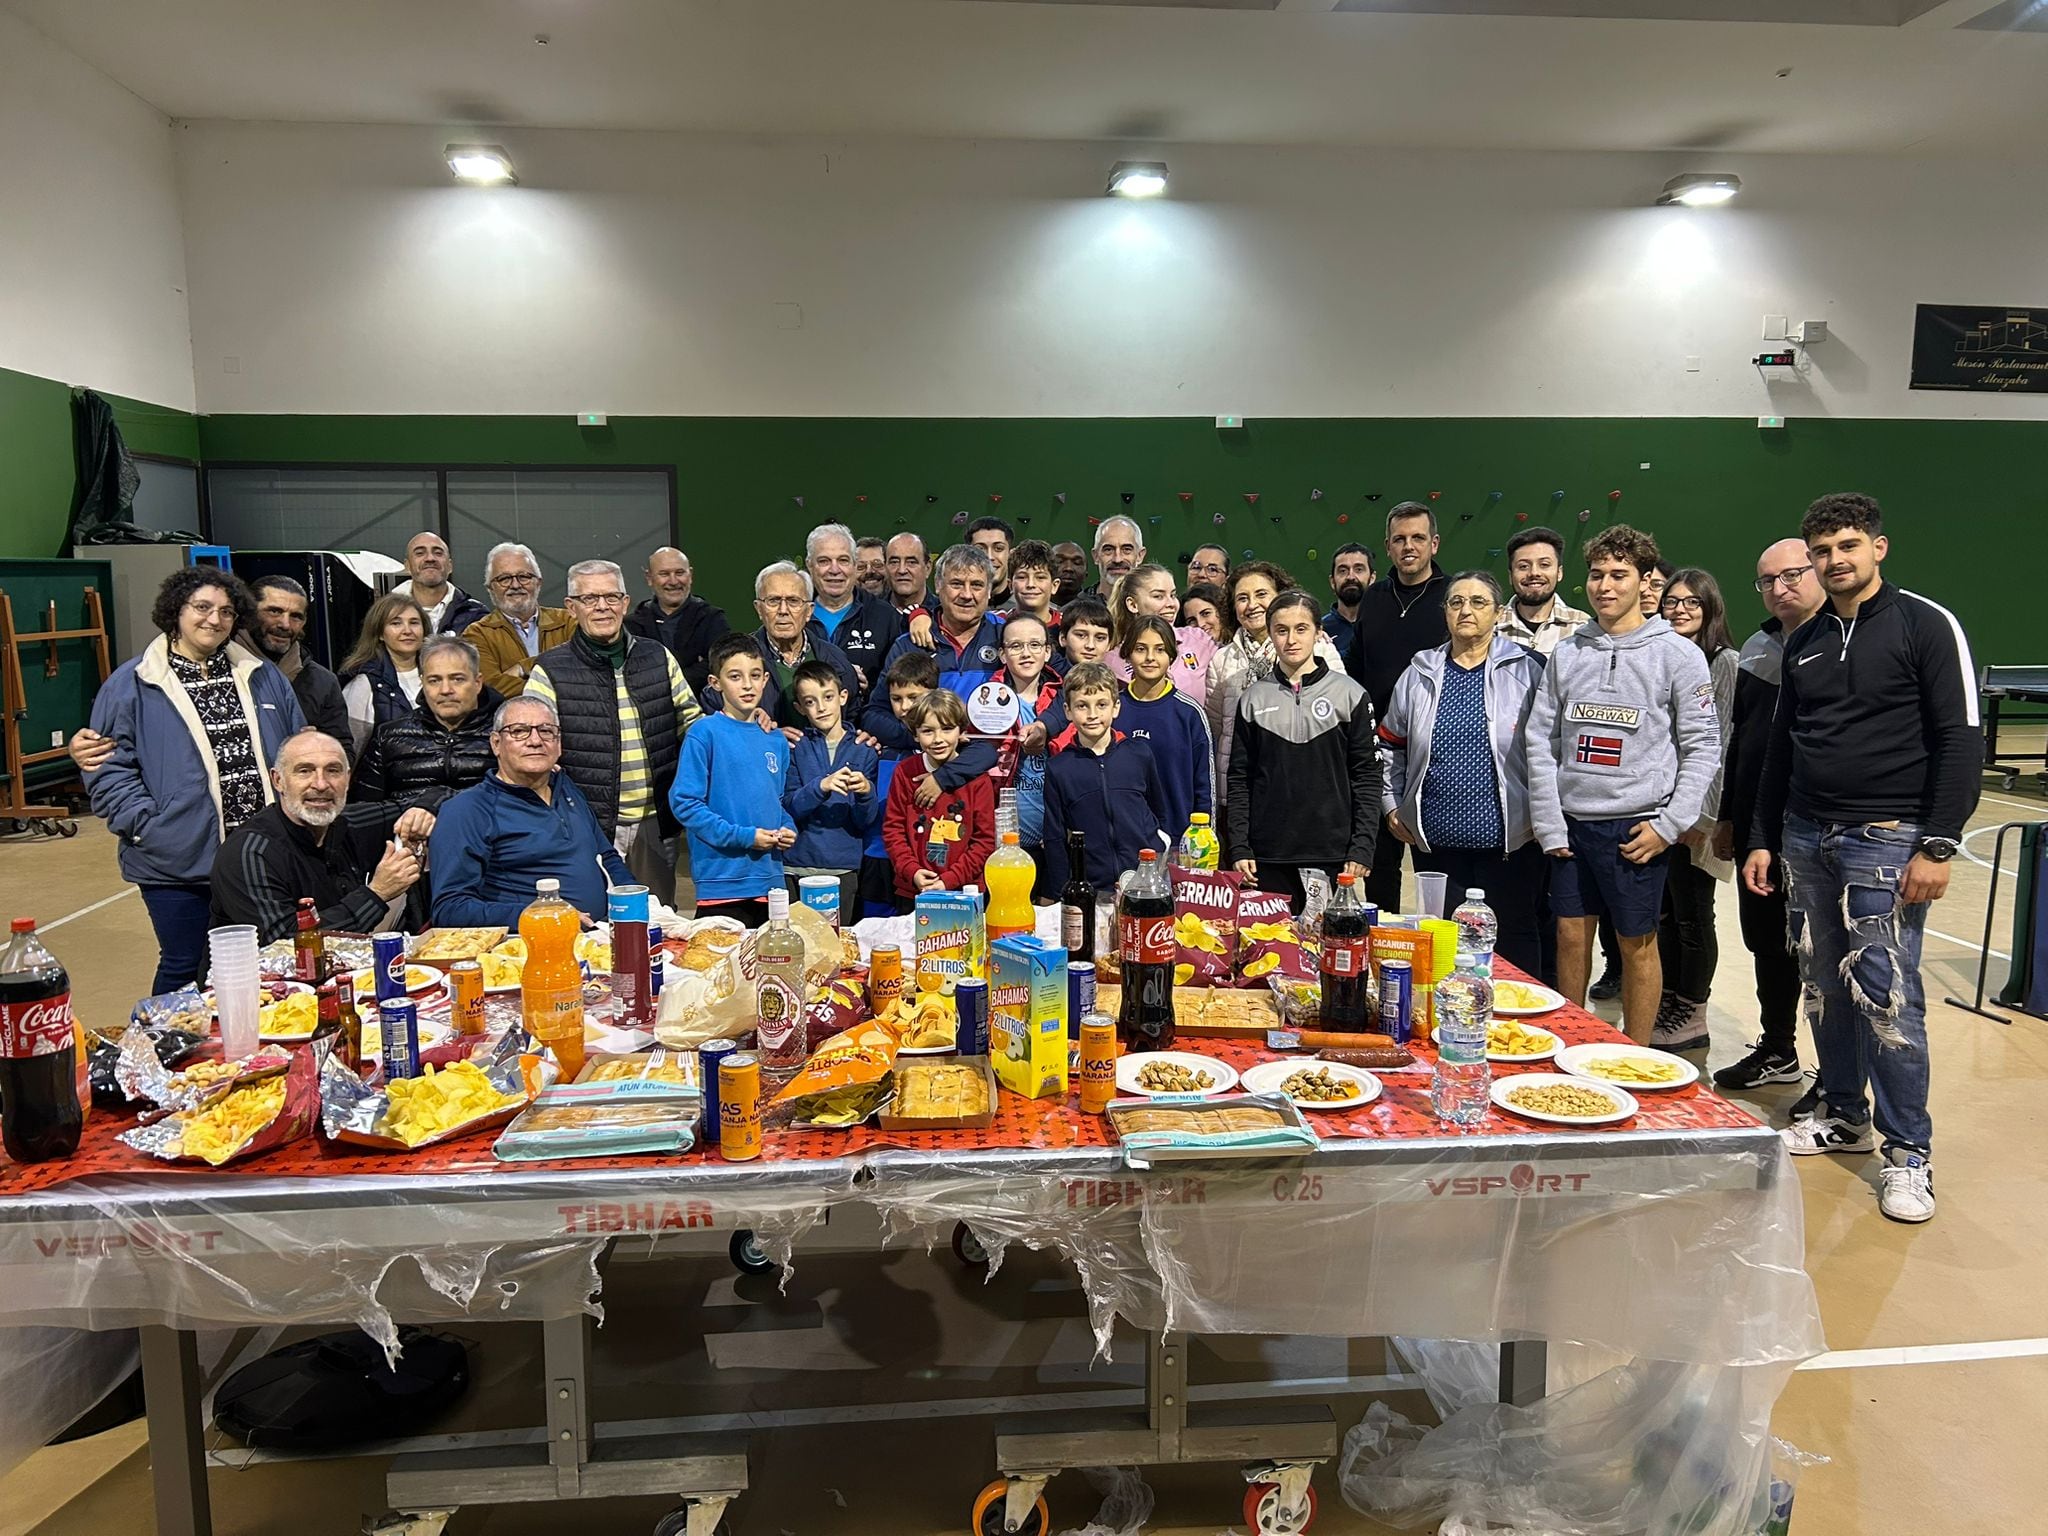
(1204,927)
(1268,941)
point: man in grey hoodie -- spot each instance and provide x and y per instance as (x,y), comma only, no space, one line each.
(1623,743)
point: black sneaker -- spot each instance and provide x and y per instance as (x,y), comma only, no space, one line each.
(1807,1103)
(1608,987)
(1762,1065)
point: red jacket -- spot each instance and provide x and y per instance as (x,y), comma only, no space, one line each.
(907,828)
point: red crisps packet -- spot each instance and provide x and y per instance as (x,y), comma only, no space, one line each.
(1205,927)
(1268,941)
(839,1005)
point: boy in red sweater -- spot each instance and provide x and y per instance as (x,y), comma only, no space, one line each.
(941,846)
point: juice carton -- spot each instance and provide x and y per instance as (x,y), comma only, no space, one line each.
(950,940)
(1028,1016)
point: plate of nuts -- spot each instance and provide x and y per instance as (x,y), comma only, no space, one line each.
(1172,1074)
(1314,1084)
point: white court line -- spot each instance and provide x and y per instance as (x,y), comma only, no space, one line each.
(83,911)
(1936,933)
(1978,859)
(2036,806)
(1927,1354)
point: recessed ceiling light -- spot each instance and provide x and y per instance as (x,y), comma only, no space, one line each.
(1699,189)
(481,165)
(1137,178)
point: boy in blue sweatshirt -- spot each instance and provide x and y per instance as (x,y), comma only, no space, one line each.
(1104,784)
(728,791)
(831,793)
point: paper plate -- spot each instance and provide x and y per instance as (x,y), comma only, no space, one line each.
(1539,999)
(1543,1055)
(1270,1077)
(1221,1078)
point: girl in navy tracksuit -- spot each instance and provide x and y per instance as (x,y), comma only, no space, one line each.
(1103,783)
(1154,710)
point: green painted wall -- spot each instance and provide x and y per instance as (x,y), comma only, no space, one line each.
(1715,493)
(36,475)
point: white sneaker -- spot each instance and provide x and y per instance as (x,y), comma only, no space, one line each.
(1822,1133)
(1905,1185)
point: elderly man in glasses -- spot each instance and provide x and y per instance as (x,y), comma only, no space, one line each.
(525,822)
(518,629)
(624,705)
(783,597)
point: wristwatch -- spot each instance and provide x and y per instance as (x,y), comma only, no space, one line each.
(1939,849)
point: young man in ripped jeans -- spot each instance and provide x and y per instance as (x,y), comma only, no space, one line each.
(1871,773)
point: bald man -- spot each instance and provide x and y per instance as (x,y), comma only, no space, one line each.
(677,617)
(430,571)
(1792,593)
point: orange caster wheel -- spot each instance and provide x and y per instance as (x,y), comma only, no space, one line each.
(987,1519)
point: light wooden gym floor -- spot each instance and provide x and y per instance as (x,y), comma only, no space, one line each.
(1929,1407)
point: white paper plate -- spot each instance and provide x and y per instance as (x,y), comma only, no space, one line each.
(1624,1102)
(1269,1077)
(366,982)
(1573,1059)
(1543,1055)
(1221,1078)
(928,1050)
(1552,1001)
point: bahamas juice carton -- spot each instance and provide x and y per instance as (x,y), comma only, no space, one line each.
(1028,1016)
(951,941)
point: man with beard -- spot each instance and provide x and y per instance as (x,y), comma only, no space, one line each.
(429,567)
(1119,550)
(279,633)
(1070,570)
(357,862)
(908,570)
(1400,614)
(870,566)
(676,617)
(1350,574)
(511,639)
(1538,618)
(862,627)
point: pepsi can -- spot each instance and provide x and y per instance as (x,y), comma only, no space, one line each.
(709,1055)
(1372,916)
(1397,1000)
(970,999)
(1080,995)
(387,965)
(401,1038)
(655,964)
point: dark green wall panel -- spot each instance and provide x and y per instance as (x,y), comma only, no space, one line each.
(1964,498)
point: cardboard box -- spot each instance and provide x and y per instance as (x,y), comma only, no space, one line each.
(1028,1016)
(950,940)
(892,1121)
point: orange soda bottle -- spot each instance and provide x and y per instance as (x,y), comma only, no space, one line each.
(551,985)
(1009,876)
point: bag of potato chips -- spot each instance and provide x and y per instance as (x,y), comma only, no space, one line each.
(1268,941)
(259,1111)
(845,1080)
(1204,927)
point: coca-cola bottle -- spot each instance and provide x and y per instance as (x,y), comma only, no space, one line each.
(40,1115)
(1346,958)
(1144,920)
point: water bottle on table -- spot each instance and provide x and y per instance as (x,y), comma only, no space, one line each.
(1464,1008)
(1478,929)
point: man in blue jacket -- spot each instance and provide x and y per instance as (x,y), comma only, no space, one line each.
(524,823)
(966,639)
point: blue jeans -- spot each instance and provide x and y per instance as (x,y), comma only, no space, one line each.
(1859,961)
(179,913)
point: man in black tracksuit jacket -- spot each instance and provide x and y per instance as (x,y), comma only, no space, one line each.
(1873,770)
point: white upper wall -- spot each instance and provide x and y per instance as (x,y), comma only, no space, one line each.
(336,269)
(92,252)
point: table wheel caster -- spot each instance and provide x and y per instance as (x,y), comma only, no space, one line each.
(708,1520)
(968,1248)
(746,1255)
(67,829)
(1279,1500)
(993,1509)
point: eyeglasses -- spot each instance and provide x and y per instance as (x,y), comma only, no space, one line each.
(1025,647)
(599,599)
(517,579)
(1468,602)
(1786,579)
(783,602)
(1682,604)
(207,612)
(530,733)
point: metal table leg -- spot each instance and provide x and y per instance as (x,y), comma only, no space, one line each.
(1524,1365)
(177,1446)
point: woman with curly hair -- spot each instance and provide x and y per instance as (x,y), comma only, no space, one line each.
(380,680)
(195,722)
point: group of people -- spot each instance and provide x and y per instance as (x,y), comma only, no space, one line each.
(1597,774)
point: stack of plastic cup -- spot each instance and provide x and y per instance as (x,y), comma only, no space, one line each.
(237,989)
(1006,811)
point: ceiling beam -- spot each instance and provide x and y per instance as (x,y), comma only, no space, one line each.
(1943,15)
(1312,7)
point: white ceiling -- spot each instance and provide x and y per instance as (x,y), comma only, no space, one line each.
(1925,77)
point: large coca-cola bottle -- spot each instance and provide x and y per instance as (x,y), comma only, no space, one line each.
(1144,920)
(40,1116)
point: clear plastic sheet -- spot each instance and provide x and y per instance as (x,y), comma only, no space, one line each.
(68,1369)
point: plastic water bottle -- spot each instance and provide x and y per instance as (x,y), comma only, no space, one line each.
(1464,1008)
(1477,928)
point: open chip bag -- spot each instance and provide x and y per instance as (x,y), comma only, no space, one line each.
(845,1080)
(1204,927)
(1269,941)
(264,1102)
(438,1105)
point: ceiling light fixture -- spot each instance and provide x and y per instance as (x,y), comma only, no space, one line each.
(1699,189)
(481,165)
(1137,178)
